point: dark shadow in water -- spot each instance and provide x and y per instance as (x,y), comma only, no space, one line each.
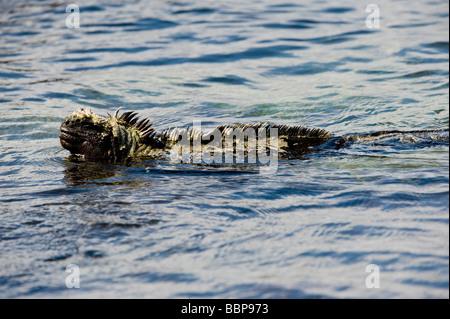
(308,68)
(138,25)
(78,171)
(142,172)
(111,50)
(249,54)
(228,79)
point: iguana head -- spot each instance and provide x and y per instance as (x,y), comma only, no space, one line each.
(96,138)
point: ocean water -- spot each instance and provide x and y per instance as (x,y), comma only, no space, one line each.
(156,229)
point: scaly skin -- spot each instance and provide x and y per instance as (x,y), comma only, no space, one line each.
(116,138)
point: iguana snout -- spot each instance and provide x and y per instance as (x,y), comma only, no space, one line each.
(87,136)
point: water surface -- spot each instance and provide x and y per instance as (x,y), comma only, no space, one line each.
(156,229)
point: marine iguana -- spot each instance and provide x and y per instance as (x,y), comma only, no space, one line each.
(120,137)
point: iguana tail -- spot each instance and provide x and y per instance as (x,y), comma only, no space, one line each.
(433,134)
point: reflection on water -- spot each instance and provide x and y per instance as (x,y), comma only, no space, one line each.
(82,173)
(159,229)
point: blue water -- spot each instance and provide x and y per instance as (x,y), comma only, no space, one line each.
(156,229)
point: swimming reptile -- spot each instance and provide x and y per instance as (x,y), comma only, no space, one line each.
(120,137)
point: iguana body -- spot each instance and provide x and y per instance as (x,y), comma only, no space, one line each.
(117,138)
